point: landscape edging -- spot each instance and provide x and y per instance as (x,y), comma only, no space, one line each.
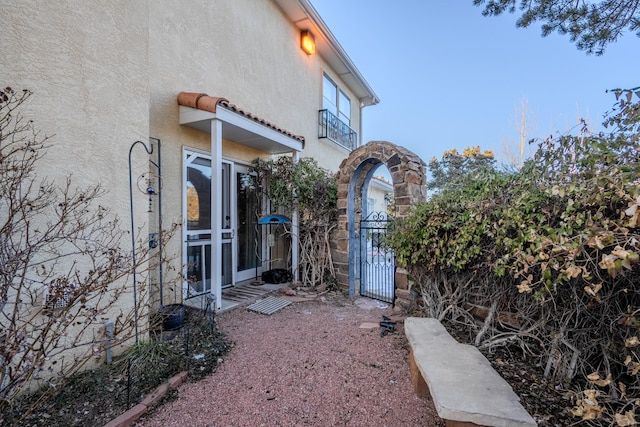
(130,416)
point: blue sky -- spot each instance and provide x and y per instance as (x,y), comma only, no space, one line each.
(449,77)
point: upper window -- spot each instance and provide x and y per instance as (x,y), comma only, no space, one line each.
(334,120)
(335,100)
(344,108)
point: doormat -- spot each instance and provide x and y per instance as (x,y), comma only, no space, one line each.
(268,305)
(242,293)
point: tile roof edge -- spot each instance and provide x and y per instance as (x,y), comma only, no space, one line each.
(202,101)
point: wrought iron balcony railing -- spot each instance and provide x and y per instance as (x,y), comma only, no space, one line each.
(331,127)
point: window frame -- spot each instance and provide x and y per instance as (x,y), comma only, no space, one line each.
(341,110)
(335,105)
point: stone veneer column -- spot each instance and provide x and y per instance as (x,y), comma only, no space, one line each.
(408,172)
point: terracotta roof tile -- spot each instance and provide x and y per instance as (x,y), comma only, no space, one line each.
(202,101)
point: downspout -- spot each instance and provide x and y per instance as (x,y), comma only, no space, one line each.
(109,329)
(360,124)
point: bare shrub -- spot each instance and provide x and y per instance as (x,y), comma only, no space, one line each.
(65,265)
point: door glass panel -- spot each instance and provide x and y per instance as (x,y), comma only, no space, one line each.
(194,269)
(227,226)
(206,264)
(197,208)
(198,194)
(227,260)
(226,197)
(198,271)
(248,232)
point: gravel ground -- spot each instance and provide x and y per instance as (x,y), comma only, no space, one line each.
(310,364)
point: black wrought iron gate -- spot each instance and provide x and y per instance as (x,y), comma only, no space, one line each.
(377,263)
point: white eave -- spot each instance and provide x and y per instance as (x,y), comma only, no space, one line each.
(241,129)
(305,17)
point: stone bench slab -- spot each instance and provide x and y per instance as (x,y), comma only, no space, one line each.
(462,383)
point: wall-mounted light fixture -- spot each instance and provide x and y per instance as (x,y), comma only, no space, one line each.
(307,43)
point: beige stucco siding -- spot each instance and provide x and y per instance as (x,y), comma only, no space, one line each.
(243,50)
(106,74)
(87,66)
(83,62)
(246,51)
(241,153)
(377,191)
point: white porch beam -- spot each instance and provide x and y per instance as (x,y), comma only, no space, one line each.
(216,202)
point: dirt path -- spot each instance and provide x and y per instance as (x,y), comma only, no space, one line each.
(310,364)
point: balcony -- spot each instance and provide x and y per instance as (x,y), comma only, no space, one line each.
(331,127)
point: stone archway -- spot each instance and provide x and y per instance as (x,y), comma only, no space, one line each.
(408,172)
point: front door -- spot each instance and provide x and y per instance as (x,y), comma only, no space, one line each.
(241,237)
(198,220)
(249,235)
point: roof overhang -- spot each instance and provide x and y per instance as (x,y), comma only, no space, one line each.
(237,125)
(305,17)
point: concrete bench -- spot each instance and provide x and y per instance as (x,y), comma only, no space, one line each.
(463,385)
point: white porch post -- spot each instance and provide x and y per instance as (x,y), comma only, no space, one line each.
(216,212)
(295,230)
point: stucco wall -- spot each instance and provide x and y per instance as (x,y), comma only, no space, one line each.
(87,66)
(246,51)
(377,191)
(107,74)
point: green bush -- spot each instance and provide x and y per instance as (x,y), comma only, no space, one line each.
(549,254)
(311,191)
